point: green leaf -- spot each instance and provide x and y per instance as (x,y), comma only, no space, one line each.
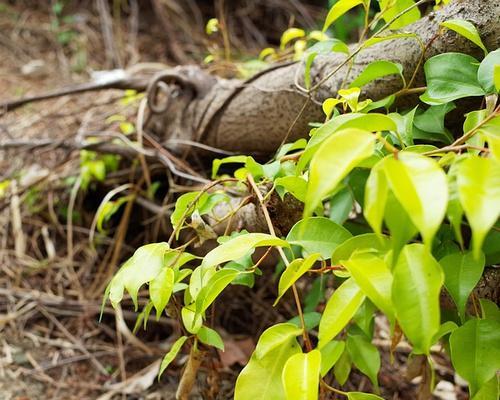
(376,70)
(301,376)
(338,155)
(475,351)
(293,272)
(376,192)
(261,377)
(378,39)
(342,367)
(311,320)
(415,294)
(160,289)
(141,268)
(478,182)
(364,356)
(317,235)
(467,30)
(330,354)
(210,337)
(362,396)
(369,242)
(489,310)
(391,8)
(490,390)
(214,287)
(429,125)
(339,310)
(374,278)
(170,356)
(399,223)
(341,205)
(328,46)
(339,9)
(451,76)
(420,185)
(227,160)
(462,273)
(275,336)
(190,319)
(486,72)
(239,246)
(295,185)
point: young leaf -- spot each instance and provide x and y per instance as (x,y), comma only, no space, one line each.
(301,376)
(478,182)
(364,356)
(141,268)
(475,351)
(293,272)
(467,30)
(170,356)
(239,246)
(261,378)
(214,287)
(376,70)
(451,76)
(486,72)
(190,319)
(289,35)
(330,354)
(490,390)
(317,235)
(338,155)
(160,289)
(274,337)
(369,242)
(391,8)
(339,9)
(210,337)
(462,272)
(415,294)
(374,277)
(420,186)
(339,310)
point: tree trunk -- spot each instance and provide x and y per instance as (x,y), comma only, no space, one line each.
(255,116)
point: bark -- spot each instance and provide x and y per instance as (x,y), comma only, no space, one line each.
(255,116)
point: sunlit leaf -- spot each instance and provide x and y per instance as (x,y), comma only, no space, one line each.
(392,8)
(339,9)
(275,336)
(261,377)
(338,155)
(160,289)
(213,288)
(289,35)
(330,354)
(339,310)
(293,272)
(301,376)
(170,356)
(487,70)
(239,246)
(467,30)
(478,182)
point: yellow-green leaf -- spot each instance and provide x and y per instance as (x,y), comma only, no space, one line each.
(294,271)
(376,191)
(170,356)
(376,70)
(330,354)
(239,246)
(301,376)
(334,159)
(339,310)
(478,182)
(467,30)
(214,287)
(391,8)
(339,9)
(373,276)
(210,337)
(275,336)
(417,283)
(289,35)
(420,186)
(160,289)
